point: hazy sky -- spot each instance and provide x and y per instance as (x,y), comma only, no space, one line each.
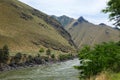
(89,9)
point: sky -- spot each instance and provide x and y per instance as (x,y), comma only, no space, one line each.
(89,9)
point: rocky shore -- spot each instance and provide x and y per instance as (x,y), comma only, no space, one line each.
(6,67)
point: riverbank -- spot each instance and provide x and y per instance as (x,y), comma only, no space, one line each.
(24,60)
(56,71)
(33,63)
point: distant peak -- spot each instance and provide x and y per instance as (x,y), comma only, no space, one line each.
(53,16)
(102,24)
(81,19)
(64,16)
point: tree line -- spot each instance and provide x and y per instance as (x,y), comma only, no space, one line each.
(20,59)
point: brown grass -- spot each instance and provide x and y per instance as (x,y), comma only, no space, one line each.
(26,35)
(90,34)
(101,76)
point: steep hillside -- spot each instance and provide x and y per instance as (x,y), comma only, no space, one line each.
(25,29)
(86,33)
(64,20)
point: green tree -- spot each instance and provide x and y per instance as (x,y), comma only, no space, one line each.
(30,59)
(18,57)
(53,56)
(38,55)
(1,56)
(4,54)
(38,59)
(113,7)
(48,52)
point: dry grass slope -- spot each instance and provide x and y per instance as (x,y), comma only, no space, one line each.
(85,33)
(25,29)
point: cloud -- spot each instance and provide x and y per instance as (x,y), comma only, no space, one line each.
(73,8)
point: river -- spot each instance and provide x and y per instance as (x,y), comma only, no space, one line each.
(57,71)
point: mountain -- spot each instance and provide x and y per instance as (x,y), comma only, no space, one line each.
(25,29)
(81,20)
(102,24)
(86,33)
(64,20)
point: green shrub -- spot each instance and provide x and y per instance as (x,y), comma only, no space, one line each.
(18,57)
(41,50)
(46,58)
(37,59)
(4,54)
(65,57)
(102,57)
(38,55)
(48,52)
(53,56)
(30,59)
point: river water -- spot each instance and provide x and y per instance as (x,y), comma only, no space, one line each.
(57,71)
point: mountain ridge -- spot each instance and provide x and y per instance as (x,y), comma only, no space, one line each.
(64,20)
(84,32)
(81,19)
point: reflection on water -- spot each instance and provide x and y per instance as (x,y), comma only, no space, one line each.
(58,71)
